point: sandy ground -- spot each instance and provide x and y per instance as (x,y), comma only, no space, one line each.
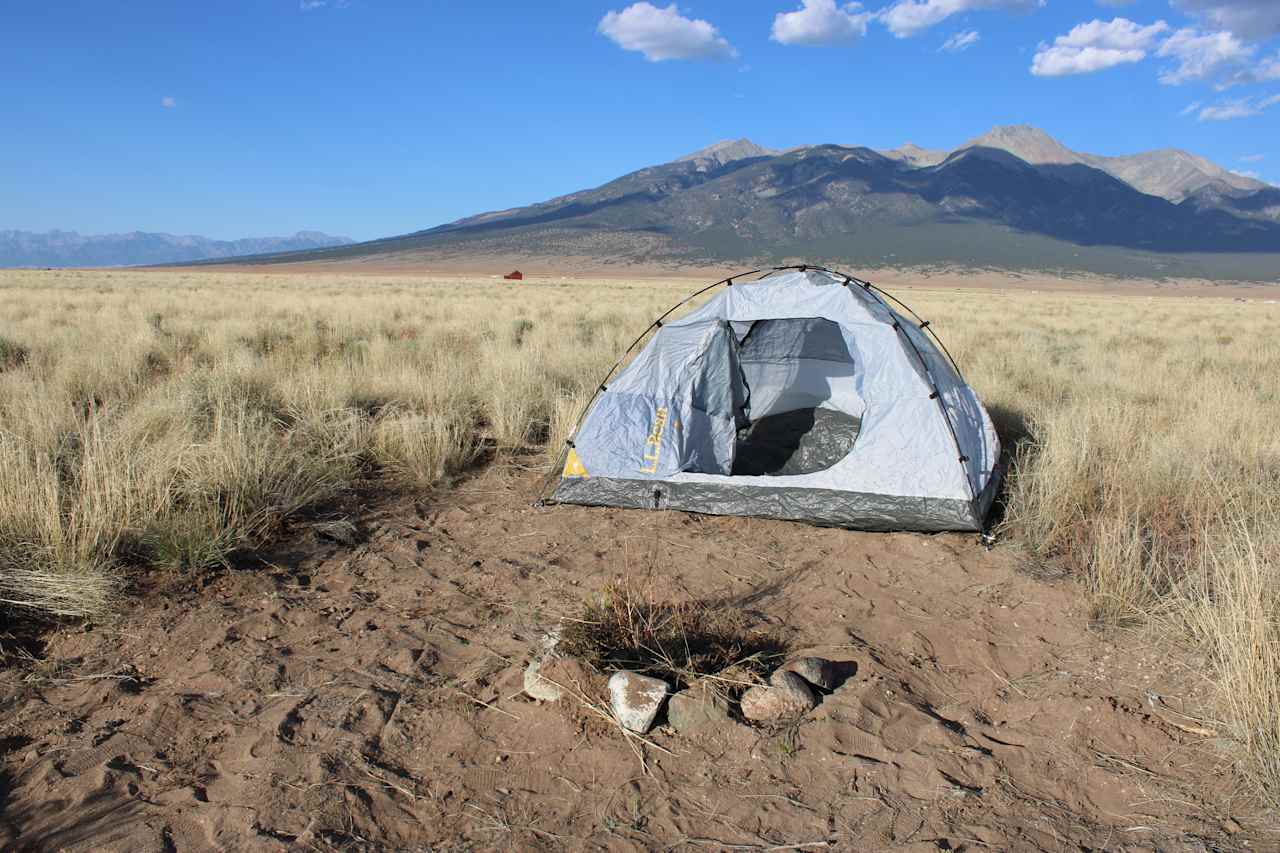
(368,697)
(571,269)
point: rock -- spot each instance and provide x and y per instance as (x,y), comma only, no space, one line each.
(538,687)
(819,672)
(534,684)
(550,640)
(788,695)
(636,699)
(700,704)
(403,661)
(340,530)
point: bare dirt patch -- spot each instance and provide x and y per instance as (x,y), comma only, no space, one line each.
(368,697)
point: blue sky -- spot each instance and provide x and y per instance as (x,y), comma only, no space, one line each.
(377,117)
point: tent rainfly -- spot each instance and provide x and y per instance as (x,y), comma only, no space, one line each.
(799,395)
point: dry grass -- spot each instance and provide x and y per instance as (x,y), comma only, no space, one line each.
(169,419)
(632,627)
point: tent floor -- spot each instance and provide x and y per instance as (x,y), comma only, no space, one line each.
(800,442)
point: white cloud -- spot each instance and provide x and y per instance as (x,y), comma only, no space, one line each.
(1221,58)
(961,41)
(1245,173)
(819,22)
(1253,158)
(662,34)
(1238,108)
(1116,34)
(1252,20)
(1061,61)
(1229,110)
(907,17)
(1094,46)
(168,102)
(308,5)
(1268,69)
(1190,108)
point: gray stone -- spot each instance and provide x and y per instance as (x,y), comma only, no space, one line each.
(819,672)
(636,699)
(534,684)
(696,707)
(538,687)
(787,695)
(550,640)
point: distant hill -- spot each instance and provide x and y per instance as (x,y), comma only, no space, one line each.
(70,249)
(1012,198)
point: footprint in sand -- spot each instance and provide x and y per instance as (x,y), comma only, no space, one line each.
(117,745)
(185,835)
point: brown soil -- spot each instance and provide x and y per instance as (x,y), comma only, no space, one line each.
(368,697)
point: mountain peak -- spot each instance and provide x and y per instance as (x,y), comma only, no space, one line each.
(914,155)
(1029,143)
(729,150)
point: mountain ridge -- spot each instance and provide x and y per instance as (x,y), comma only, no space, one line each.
(1170,173)
(58,248)
(728,151)
(1166,172)
(977,206)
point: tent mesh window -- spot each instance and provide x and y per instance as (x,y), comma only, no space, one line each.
(792,423)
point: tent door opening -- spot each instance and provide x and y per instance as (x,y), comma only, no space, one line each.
(801,412)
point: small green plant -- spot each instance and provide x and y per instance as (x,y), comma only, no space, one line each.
(187,542)
(519,329)
(12,354)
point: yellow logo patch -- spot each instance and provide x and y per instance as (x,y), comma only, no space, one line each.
(653,444)
(573,466)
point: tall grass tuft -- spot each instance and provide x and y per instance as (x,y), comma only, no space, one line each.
(169,421)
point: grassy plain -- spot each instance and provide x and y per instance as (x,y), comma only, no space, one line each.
(169,419)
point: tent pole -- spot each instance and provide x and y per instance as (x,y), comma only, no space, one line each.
(936,396)
(924,324)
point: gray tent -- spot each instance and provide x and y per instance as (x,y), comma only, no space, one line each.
(799,395)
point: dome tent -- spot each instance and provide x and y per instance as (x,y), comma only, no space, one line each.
(799,395)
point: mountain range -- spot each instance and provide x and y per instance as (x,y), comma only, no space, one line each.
(70,249)
(1012,198)
(1169,172)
